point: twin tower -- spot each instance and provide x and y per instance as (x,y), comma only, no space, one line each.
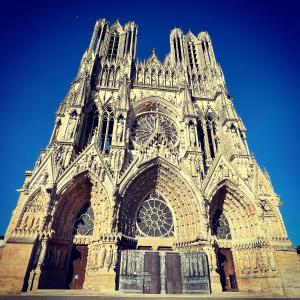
(147,184)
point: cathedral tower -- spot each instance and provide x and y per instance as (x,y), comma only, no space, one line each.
(147,184)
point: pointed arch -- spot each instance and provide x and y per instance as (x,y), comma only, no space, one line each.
(106,131)
(90,125)
(211,129)
(182,197)
(234,208)
(82,190)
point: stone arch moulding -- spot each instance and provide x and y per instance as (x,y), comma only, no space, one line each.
(152,103)
(88,162)
(83,188)
(182,196)
(239,209)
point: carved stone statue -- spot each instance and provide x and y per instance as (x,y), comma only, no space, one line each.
(102,256)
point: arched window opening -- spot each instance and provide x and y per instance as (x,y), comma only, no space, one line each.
(84,222)
(91,124)
(129,34)
(154,217)
(220,226)
(113,46)
(192,53)
(175,50)
(179,49)
(212,136)
(195,56)
(201,136)
(107,131)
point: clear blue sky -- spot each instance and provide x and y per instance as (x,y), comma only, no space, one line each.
(256,42)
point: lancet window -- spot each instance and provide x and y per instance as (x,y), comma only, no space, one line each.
(212,135)
(91,123)
(192,53)
(200,135)
(106,130)
(113,46)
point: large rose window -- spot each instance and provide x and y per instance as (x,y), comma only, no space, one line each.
(154,129)
(154,217)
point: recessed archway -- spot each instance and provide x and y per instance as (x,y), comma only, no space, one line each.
(180,196)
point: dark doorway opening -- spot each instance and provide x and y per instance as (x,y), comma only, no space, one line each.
(77,267)
(226,270)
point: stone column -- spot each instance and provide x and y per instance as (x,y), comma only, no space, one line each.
(215,283)
(162,256)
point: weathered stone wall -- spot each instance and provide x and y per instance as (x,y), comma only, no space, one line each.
(13,267)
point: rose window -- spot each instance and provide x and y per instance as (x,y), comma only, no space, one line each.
(154,217)
(84,223)
(154,129)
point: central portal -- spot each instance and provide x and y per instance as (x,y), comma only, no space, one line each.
(153,272)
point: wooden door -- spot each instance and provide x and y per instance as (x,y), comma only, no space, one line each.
(77,266)
(226,270)
(151,273)
(173,274)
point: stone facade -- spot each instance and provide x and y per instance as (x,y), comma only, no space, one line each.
(147,156)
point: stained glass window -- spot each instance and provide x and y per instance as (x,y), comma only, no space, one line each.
(84,223)
(154,217)
(154,128)
(220,226)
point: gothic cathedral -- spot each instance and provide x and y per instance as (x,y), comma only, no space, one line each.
(147,184)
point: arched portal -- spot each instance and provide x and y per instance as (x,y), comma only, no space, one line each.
(232,218)
(161,209)
(172,191)
(81,213)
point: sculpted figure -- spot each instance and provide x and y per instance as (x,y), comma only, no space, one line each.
(120,130)
(192,135)
(71,127)
(109,257)
(102,256)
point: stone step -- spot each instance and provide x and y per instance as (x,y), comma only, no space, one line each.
(70,294)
